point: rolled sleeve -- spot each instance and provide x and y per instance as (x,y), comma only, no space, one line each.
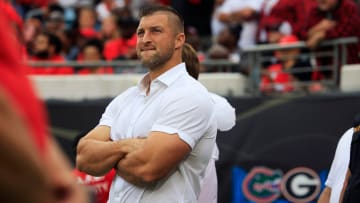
(187,114)
(169,130)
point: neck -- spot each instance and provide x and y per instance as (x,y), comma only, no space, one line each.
(160,70)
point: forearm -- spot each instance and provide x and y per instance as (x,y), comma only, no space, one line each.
(133,170)
(130,167)
(98,157)
(160,154)
(325,195)
(315,40)
(314,30)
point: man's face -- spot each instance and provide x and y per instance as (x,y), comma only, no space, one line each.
(326,5)
(41,43)
(41,46)
(91,53)
(156,40)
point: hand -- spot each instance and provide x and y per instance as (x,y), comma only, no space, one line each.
(315,39)
(326,24)
(134,144)
(225,18)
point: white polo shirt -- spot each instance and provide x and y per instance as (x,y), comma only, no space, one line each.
(176,104)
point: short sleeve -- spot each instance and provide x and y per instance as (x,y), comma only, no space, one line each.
(340,162)
(224,113)
(186,113)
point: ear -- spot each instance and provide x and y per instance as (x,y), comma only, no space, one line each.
(179,40)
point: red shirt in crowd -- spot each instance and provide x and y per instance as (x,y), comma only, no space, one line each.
(295,12)
(347,20)
(118,47)
(65,70)
(99,185)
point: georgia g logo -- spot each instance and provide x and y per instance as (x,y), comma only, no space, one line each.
(300,185)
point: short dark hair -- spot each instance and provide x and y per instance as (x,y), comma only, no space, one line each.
(95,42)
(153,8)
(54,40)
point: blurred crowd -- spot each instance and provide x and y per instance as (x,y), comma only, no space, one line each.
(95,30)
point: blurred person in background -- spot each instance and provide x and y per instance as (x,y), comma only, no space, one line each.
(225,118)
(332,19)
(235,12)
(54,18)
(105,7)
(271,28)
(54,22)
(109,28)
(121,44)
(290,68)
(87,24)
(336,177)
(33,167)
(92,52)
(282,17)
(350,192)
(84,27)
(225,47)
(47,48)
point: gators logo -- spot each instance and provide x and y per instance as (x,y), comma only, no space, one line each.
(262,184)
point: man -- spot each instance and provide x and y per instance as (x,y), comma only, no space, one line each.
(351,188)
(225,117)
(47,47)
(235,12)
(32,166)
(169,108)
(332,19)
(339,166)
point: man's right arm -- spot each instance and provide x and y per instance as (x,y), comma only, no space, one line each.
(97,153)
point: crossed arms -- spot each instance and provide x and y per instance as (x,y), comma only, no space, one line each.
(139,161)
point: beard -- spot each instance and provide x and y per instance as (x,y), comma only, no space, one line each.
(157,59)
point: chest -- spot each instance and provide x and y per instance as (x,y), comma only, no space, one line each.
(136,118)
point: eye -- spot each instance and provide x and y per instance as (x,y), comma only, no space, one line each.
(140,33)
(156,30)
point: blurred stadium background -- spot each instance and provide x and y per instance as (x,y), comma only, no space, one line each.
(295,92)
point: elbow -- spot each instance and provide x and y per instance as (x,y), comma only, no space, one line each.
(80,160)
(80,163)
(151,176)
(84,166)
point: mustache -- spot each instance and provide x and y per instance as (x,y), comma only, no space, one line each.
(147,46)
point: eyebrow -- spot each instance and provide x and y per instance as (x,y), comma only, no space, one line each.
(151,28)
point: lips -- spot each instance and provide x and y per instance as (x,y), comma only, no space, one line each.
(147,48)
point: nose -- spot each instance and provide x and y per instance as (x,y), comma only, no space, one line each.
(146,37)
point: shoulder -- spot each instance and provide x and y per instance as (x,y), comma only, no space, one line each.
(345,140)
(125,95)
(190,88)
(187,93)
(347,136)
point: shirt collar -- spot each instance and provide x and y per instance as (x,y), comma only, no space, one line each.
(166,78)
(171,75)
